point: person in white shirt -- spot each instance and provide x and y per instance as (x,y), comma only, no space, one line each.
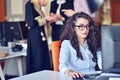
(79,52)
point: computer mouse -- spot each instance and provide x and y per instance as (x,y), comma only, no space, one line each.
(89,76)
(78,78)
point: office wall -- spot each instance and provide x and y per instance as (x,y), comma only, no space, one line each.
(2,10)
(15,11)
(115,11)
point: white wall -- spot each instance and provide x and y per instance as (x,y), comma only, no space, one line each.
(15,10)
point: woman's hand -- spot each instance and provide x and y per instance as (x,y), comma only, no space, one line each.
(54,17)
(68,12)
(74,74)
(59,17)
(50,19)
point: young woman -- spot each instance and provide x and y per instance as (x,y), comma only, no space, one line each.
(37,50)
(79,51)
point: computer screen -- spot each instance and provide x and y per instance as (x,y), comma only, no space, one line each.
(110,44)
(0,31)
(12,31)
(24,29)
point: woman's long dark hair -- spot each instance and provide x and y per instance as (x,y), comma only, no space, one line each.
(69,34)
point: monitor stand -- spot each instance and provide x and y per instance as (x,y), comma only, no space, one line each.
(114,70)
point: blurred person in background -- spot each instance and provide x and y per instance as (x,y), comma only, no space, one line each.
(37,50)
(57,25)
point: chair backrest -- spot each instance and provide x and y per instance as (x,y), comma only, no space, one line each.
(55,54)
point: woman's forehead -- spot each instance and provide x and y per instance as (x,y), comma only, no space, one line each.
(82,21)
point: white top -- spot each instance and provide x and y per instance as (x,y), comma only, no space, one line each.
(59,2)
(69,60)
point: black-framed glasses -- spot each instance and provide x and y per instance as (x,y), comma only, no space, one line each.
(82,27)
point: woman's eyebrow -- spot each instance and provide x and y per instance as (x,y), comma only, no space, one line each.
(82,24)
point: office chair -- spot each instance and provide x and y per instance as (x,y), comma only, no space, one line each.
(55,54)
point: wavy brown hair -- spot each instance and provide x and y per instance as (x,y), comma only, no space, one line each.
(69,34)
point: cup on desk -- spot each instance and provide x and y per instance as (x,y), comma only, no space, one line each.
(11,44)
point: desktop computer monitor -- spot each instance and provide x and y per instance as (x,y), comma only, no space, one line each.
(0,31)
(24,29)
(110,44)
(12,31)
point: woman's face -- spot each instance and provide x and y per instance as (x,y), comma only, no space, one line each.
(43,2)
(82,28)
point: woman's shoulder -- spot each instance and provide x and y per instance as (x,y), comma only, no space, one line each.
(66,45)
(29,4)
(66,41)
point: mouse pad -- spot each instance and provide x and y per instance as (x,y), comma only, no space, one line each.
(92,75)
(79,78)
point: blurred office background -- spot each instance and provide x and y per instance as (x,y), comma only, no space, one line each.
(14,11)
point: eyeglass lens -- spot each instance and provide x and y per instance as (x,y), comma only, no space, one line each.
(82,27)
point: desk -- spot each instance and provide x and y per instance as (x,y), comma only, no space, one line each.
(108,76)
(13,55)
(54,75)
(43,75)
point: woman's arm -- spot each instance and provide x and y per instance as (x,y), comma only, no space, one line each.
(64,61)
(64,57)
(41,20)
(28,14)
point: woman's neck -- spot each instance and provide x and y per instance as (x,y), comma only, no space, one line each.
(82,41)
